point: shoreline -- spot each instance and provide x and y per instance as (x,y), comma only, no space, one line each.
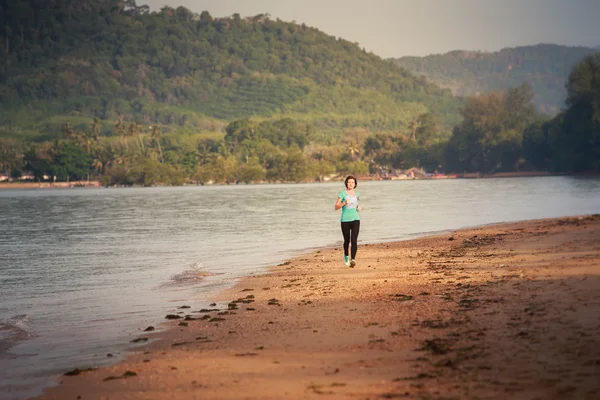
(49,185)
(469,176)
(493,311)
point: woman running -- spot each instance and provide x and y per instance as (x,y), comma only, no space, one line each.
(348,202)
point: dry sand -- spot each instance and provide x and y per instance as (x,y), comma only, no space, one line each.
(501,312)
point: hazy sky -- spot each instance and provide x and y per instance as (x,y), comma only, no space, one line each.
(395,28)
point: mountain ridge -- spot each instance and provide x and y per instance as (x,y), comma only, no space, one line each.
(114,60)
(544,66)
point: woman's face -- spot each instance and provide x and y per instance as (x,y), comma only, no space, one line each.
(351,184)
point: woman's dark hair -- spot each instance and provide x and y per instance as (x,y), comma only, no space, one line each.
(348,178)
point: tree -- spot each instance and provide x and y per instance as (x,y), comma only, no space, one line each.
(11,157)
(95,127)
(289,133)
(573,136)
(223,169)
(322,168)
(117,174)
(428,129)
(71,162)
(156,142)
(135,131)
(39,160)
(122,132)
(251,171)
(536,149)
(202,174)
(240,131)
(580,133)
(68,133)
(583,87)
(353,150)
(294,166)
(205,17)
(385,150)
(519,108)
(489,139)
(413,125)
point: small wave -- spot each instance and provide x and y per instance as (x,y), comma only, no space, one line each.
(192,275)
(13,331)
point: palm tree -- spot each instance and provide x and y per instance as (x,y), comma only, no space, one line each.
(95,127)
(85,138)
(135,132)
(97,165)
(156,141)
(413,125)
(122,132)
(71,134)
(353,150)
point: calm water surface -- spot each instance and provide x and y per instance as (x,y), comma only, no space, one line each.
(83,271)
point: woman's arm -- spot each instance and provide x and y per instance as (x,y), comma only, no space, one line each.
(339,204)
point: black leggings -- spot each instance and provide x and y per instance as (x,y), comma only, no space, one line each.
(350,231)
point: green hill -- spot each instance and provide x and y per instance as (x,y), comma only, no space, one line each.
(545,67)
(67,61)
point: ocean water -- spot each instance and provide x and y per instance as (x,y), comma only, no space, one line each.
(83,271)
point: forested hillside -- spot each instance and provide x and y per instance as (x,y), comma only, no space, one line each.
(107,90)
(545,67)
(68,61)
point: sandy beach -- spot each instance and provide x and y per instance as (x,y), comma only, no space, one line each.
(508,311)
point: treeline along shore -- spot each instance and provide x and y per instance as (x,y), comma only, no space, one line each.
(496,312)
(489,141)
(408,175)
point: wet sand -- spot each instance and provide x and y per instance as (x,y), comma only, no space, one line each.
(508,311)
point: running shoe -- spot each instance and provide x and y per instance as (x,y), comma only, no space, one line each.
(352,263)
(346,261)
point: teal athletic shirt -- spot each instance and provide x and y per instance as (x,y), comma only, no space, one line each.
(349,212)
